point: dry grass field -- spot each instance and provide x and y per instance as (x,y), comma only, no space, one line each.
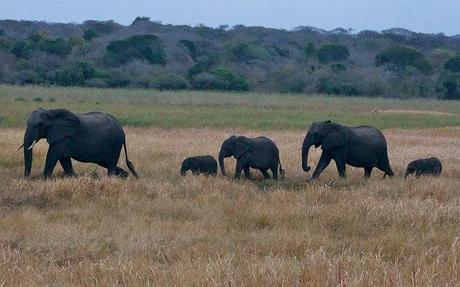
(164,229)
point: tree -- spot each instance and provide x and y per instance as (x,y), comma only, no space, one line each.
(332,53)
(453,65)
(142,47)
(400,57)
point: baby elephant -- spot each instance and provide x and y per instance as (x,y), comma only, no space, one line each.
(205,164)
(426,166)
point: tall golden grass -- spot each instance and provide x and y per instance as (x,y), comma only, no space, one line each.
(164,229)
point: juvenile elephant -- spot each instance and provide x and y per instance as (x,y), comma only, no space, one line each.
(93,137)
(205,164)
(426,166)
(361,146)
(260,153)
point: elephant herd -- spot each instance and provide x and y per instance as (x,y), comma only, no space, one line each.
(98,138)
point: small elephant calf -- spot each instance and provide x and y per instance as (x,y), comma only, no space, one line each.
(204,164)
(426,166)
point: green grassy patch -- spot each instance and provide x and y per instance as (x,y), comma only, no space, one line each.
(221,110)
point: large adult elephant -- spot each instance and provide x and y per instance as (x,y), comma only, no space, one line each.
(361,146)
(92,137)
(260,153)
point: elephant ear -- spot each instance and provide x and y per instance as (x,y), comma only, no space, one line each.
(64,124)
(242,145)
(333,136)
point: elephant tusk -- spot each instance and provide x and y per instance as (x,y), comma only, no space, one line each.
(20,147)
(32,145)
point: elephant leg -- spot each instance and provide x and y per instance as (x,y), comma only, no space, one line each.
(118,171)
(52,158)
(324,161)
(275,172)
(247,173)
(341,168)
(265,173)
(367,172)
(66,164)
(240,164)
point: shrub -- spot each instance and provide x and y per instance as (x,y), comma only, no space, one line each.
(220,79)
(332,53)
(89,34)
(207,81)
(170,81)
(20,49)
(310,50)
(244,52)
(330,86)
(75,74)
(143,47)
(38,99)
(191,48)
(52,100)
(398,58)
(453,65)
(118,79)
(204,64)
(59,46)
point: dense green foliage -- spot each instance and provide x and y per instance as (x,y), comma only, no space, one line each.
(400,58)
(141,47)
(147,54)
(332,53)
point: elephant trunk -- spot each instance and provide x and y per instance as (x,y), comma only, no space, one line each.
(183,170)
(222,155)
(305,149)
(407,173)
(30,138)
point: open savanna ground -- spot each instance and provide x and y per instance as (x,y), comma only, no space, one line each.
(164,229)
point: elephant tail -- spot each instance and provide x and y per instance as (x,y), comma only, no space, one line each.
(128,163)
(281,171)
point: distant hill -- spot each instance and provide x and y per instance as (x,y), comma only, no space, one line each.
(391,63)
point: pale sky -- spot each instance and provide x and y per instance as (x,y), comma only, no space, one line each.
(429,16)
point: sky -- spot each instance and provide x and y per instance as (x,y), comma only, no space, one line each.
(428,16)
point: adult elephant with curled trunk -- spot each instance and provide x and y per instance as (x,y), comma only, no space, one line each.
(361,146)
(260,153)
(92,137)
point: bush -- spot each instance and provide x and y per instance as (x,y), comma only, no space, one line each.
(59,46)
(310,50)
(243,52)
(332,53)
(20,49)
(171,81)
(118,79)
(453,65)
(142,47)
(191,48)
(204,64)
(89,34)
(75,74)
(330,86)
(220,79)
(399,58)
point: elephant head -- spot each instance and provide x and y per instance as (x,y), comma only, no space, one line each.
(188,164)
(326,134)
(54,125)
(411,168)
(233,146)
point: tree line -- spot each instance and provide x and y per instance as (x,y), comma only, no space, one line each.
(147,54)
